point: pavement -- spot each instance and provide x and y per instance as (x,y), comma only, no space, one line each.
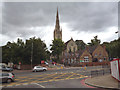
(104,81)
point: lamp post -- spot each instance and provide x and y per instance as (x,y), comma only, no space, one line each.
(117,57)
(31,54)
(117,33)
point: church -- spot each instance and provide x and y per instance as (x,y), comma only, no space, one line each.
(72,54)
(70,45)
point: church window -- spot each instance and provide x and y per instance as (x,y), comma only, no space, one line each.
(71,44)
(69,50)
(58,37)
(74,49)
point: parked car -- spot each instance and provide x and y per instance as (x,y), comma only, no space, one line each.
(7,69)
(46,63)
(7,77)
(39,68)
(54,63)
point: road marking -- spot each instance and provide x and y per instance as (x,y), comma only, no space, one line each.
(70,75)
(22,77)
(25,83)
(48,76)
(45,78)
(9,86)
(23,80)
(59,76)
(39,85)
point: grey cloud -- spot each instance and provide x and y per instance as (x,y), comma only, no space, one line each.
(94,17)
(83,16)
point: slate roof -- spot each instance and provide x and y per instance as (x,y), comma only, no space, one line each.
(92,48)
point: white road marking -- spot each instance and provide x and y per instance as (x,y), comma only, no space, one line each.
(39,85)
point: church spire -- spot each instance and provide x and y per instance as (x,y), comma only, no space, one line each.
(57,26)
(57,31)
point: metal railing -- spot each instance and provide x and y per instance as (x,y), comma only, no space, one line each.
(100,72)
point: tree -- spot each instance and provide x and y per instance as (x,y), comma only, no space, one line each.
(94,41)
(113,48)
(21,52)
(57,48)
(38,50)
(13,52)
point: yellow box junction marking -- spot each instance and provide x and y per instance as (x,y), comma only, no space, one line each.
(46,76)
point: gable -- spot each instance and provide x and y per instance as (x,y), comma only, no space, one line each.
(99,51)
(71,43)
(85,53)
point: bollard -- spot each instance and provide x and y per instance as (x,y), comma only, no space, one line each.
(85,67)
(103,72)
(61,67)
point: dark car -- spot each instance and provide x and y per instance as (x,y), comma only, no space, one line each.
(7,77)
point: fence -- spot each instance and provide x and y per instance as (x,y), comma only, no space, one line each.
(82,64)
(100,72)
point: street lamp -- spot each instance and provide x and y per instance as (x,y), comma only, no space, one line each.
(31,54)
(118,34)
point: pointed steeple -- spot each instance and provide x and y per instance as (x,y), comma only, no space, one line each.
(57,26)
(57,30)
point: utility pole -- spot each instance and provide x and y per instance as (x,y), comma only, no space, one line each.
(31,54)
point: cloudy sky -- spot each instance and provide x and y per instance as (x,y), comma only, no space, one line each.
(80,20)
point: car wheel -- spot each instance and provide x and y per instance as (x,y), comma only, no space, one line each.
(9,80)
(44,69)
(35,70)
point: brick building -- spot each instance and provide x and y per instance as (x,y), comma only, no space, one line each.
(96,53)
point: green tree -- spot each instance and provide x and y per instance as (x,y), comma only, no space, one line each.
(13,52)
(38,51)
(57,48)
(21,52)
(94,41)
(113,48)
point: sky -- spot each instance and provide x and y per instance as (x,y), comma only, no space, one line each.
(79,20)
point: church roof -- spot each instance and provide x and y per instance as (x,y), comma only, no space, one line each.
(69,41)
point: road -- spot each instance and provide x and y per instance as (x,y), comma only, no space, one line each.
(60,78)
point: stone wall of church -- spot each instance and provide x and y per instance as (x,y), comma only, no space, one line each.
(71,46)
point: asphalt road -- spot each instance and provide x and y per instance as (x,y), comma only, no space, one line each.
(61,78)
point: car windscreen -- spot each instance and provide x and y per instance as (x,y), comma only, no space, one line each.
(38,67)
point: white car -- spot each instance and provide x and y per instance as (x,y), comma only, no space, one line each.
(39,68)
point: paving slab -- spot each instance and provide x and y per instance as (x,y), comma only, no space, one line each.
(105,81)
